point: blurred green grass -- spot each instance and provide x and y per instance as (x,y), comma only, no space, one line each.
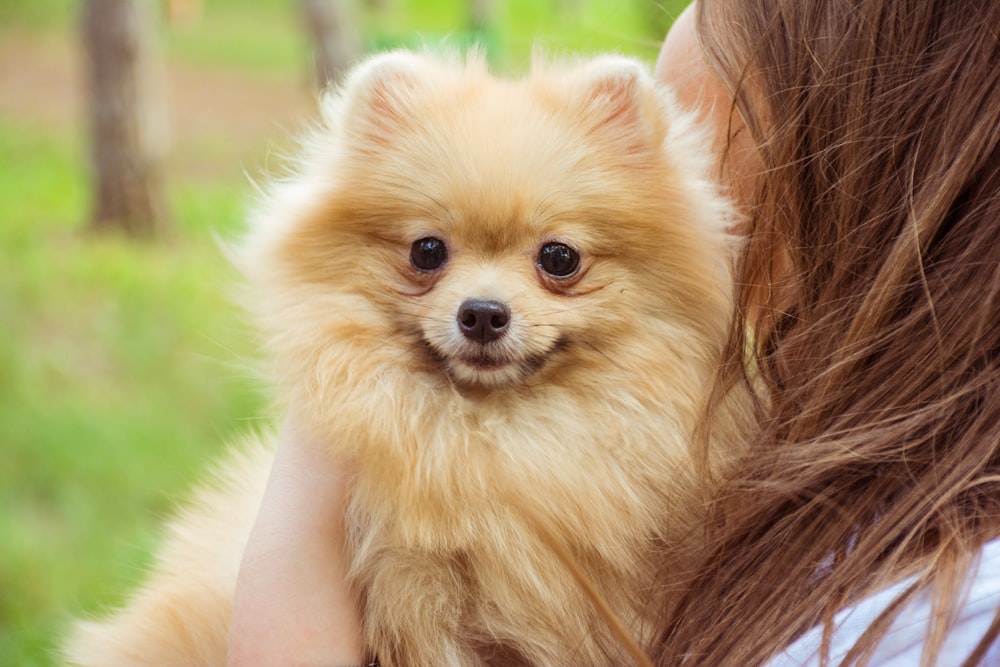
(123,367)
(121,373)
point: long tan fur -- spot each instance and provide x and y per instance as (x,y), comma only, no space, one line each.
(582,411)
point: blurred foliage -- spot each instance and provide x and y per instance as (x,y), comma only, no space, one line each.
(264,34)
(122,370)
(123,367)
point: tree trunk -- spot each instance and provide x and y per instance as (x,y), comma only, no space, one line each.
(336,43)
(481,15)
(126,121)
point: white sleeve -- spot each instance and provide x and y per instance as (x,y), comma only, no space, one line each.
(902,645)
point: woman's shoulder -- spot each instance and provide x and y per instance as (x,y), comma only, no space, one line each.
(903,644)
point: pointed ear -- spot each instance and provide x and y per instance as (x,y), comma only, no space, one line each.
(620,99)
(379,96)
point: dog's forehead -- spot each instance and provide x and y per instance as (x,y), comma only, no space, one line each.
(494,230)
(498,170)
(510,188)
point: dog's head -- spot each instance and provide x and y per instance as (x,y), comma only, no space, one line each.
(491,234)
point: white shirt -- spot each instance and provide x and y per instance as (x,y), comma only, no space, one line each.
(902,645)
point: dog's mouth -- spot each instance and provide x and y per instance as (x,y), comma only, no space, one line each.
(490,366)
(484,361)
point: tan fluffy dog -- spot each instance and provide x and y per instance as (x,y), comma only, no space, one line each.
(504,300)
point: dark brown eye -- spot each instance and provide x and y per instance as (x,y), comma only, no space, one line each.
(558,260)
(428,254)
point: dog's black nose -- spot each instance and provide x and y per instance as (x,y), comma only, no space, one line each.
(483,320)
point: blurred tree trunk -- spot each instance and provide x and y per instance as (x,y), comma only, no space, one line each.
(126,122)
(481,15)
(334,34)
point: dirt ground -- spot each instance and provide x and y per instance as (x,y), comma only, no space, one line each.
(216,119)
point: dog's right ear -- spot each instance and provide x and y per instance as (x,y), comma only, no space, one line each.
(378,97)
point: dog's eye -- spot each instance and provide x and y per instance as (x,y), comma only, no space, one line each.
(428,254)
(558,260)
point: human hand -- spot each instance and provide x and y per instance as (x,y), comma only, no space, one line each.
(293,605)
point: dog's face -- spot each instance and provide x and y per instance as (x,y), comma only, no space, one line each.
(489,317)
(496,234)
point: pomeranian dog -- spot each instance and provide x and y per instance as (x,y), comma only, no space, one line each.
(505,302)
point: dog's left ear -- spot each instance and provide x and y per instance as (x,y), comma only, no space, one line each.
(619,96)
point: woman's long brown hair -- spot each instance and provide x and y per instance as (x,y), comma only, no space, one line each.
(876,356)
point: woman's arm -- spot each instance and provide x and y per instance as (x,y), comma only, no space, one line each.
(293,605)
